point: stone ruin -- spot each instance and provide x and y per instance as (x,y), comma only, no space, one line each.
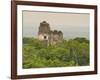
(47,35)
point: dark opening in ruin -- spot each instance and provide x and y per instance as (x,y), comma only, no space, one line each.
(45,37)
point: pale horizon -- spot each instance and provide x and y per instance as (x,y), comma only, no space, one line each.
(71,24)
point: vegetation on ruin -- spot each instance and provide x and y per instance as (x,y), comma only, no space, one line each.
(73,52)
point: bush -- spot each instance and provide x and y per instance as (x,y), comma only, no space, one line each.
(74,52)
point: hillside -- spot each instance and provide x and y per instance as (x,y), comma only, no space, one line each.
(73,52)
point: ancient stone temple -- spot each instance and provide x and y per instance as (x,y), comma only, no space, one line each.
(47,35)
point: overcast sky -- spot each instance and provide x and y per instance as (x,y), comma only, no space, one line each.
(71,24)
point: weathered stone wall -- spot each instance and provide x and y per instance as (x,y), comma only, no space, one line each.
(52,37)
(44,28)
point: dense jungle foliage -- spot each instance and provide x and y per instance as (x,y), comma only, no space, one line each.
(73,52)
